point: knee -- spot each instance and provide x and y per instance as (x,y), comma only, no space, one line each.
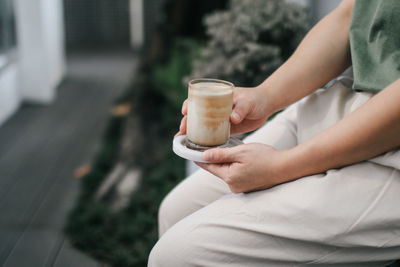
(164,213)
(158,256)
(167,252)
(174,207)
(171,211)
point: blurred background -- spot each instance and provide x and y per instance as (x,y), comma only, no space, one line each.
(90,97)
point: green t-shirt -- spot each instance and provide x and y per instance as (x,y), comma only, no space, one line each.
(375,43)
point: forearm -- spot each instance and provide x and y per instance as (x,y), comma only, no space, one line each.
(372,129)
(322,55)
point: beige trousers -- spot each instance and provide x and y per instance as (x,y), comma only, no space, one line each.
(343,217)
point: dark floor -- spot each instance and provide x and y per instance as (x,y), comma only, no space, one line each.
(40,146)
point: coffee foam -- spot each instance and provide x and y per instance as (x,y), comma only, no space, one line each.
(210,88)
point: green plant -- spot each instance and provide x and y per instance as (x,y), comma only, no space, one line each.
(250,40)
(168,77)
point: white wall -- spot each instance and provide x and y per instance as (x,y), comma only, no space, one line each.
(39,64)
(41,60)
(53,25)
(137,23)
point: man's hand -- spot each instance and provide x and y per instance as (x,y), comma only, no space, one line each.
(248,167)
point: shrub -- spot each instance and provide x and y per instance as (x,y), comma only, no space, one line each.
(167,78)
(250,40)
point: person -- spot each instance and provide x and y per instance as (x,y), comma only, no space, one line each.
(318,184)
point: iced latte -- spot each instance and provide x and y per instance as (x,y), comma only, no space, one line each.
(209,107)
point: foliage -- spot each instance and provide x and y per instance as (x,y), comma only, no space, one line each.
(250,40)
(125,238)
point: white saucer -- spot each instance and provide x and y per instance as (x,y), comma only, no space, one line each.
(180,148)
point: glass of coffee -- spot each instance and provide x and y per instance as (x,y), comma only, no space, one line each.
(209,108)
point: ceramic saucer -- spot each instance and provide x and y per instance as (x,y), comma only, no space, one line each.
(180,148)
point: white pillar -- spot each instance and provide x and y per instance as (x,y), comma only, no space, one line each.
(137,23)
(9,96)
(40,35)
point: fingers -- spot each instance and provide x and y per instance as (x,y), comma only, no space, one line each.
(235,117)
(240,111)
(246,126)
(182,127)
(219,170)
(241,108)
(184,107)
(221,155)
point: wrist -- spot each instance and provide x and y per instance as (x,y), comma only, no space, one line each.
(287,166)
(305,159)
(268,98)
(298,162)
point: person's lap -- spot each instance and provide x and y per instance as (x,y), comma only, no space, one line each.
(315,219)
(202,187)
(343,216)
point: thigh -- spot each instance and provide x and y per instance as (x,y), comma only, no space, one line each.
(345,217)
(280,132)
(193,193)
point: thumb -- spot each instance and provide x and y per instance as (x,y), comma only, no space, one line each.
(240,111)
(219,155)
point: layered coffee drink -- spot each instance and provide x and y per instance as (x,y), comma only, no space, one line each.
(209,108)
